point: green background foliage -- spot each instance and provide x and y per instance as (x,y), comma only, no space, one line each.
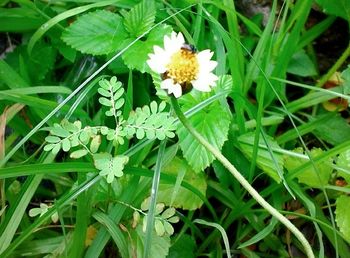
(85,128)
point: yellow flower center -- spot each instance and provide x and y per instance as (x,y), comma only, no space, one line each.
(183,66)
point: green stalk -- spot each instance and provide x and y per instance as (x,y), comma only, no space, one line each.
(217,154)
(335,67)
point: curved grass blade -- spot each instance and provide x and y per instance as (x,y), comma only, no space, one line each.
(222,231)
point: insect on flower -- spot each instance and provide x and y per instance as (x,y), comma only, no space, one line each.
(182,67)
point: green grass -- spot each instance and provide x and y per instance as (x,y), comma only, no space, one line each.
(266,118)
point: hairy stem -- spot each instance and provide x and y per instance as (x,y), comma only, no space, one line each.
(217,154)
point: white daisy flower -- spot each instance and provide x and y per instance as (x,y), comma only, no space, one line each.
(182,67)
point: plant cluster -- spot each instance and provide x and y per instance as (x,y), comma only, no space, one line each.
(99,159)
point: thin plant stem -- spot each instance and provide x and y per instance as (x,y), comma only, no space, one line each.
(335,67)
(217,154)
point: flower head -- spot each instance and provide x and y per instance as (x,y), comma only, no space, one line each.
(182,67)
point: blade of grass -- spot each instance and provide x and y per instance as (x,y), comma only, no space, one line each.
(153,201)
(64,200)
(222,231)
(114,231)
(10,77)
(15,213)
(82,220)
(36,90)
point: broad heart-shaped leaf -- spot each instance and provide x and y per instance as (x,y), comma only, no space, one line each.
(264,159)
(137,55)
(211,122)
(140,18)
(342,216)
(309,176)
(339,8)
(97,33)
(184,198)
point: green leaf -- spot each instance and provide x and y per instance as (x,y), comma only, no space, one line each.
(38,211)
(109,166)
(212,123)
(264,159)
(335,131)
(345,75)
(34,212)
(78,154)
(339,8)
(137,55)
(97,33)
(301,64)
(152,125)
(309,176)
(59,131)
(56,148)
(140,18)
(49,147)
(342,216)
(66,145)
(52,139)
(159,227)
(159,245)
(343,162)
(184,247)
(174,219)
(37,65)
(84,137)
(168,228)
(159,208)
(105,102)
(104,92)
(184,199)
(169,212)
(95,143)
(119,103)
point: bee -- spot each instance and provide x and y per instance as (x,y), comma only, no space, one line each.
(189,47)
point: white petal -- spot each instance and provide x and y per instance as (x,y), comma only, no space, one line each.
(204,82)
(173,88)
(180,39)
(167,84)
(207,67)
(177,90)
(212,78)
(156,64)
(204,55)
(174,43)
(201,85)
(158,50)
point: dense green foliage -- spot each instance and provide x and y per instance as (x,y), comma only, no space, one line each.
(94,162)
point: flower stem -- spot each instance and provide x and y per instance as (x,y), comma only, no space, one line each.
(217,154)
